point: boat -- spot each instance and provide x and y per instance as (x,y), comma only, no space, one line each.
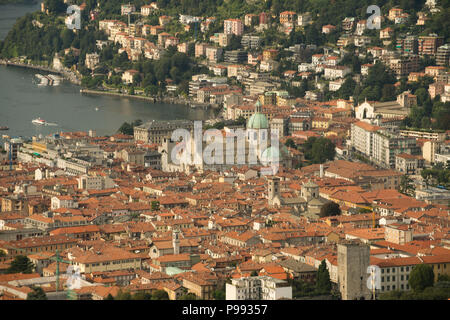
(4,128)
(39,121)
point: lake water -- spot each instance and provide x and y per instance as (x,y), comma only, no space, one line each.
(21,100)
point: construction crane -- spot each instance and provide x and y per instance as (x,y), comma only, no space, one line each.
(57,258)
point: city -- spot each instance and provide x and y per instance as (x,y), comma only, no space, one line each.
(311,160)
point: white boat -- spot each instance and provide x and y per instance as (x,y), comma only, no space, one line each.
(43,79)
(39,121)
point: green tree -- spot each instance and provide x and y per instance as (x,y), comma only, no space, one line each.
(323,282)
(55,6)
(37,294)
(290,143)
(123,295)
(319,150)
(126,128)
(219,294)
(330,209)
(421,277)
(21,264)
(160,295)
(155,205)
(406,185)
(142,296)
(109,297)
(188,296)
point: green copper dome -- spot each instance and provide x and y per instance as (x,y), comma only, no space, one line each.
(258,121)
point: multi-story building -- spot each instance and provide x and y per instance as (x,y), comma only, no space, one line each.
(334,72)
(236,56)
(127,9)
(443,55)
(213,54)
(409,164)
(362,135)
(251,19)
(404,65)
(156,131)
(92,60)
(233,26)
(387,145)
(258,288)
(288,17)
(428,45)
(408,45)
(251,42)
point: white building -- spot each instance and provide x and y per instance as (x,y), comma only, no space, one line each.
(334,72)
(258,288)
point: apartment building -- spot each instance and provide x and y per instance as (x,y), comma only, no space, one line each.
(233,26)
(258,288)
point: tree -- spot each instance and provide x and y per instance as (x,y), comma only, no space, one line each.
(2,254)
(319,150)
(142,296)
(188,296)
(160,295)
(55,6)
(406,185)
(155,205)
(21,264)
(126,128)
(323,282)
(37,294)
(123,295)
(109,297)
(219,294)
(330,209)
(421,277)
(290,143)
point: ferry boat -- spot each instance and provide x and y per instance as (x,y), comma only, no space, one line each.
(4,128)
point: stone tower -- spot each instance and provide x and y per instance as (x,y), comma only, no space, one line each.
(176,242)
(353,261)
(310,191)
(273,190)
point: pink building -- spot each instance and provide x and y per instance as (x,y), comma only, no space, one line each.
(233,26)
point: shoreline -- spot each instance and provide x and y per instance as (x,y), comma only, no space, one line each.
(167,100)
(67,75)
(71,77)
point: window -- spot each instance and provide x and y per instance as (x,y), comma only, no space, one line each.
(402,286)
(388,288)
(382,270)
(401,269)
(401,278)
(393,270)
(393,287)
(393,278)
(388,278)
(382,279)
(387,270)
